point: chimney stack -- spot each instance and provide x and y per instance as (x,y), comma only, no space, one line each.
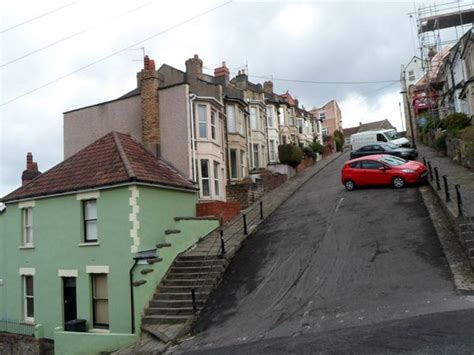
(222,74)
(194,68)
(148,83)
(31,171)
(268,86)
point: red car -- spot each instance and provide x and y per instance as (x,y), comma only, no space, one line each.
(382,169)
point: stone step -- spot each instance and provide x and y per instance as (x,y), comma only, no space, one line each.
(179,311)
(163,245)
(166,319)
(172,231)
(177,289)
(175,303)
(189,263)
(154,260)
(194,275)
(188,282)
(146,271)
(196,269)
(180,296)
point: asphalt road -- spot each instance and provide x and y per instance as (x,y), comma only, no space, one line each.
(332,269)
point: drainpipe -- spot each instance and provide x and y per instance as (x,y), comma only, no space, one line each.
(192,97)
(132,306)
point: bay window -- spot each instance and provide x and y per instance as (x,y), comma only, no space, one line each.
(231,118)
(202,118)
(205,178)
(216,178)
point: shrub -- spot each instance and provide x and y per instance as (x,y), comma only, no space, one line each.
(468,134)
(290,154)
(455,121)
(317,147)
(339,139)
(309,152)
(440,143)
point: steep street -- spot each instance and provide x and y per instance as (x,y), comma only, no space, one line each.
(345,266)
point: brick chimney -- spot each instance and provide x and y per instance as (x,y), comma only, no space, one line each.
(268,86)
(31,170)
(222,75)
(148,83)
(194,68)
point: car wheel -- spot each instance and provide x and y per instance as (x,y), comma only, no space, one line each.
(398,182)
(349,184)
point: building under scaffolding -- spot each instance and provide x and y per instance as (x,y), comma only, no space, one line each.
(440,28)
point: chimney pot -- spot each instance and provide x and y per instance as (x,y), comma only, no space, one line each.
(31,170)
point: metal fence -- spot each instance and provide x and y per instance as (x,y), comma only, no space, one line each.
(16,327)
(435,179)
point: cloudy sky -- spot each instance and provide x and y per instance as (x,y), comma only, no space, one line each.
(294,40)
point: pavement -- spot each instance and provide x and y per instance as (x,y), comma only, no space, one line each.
(327,265)
(456,174)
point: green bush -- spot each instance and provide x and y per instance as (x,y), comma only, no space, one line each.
(307,151)
(317,147)
(440,143)
(455,121)
(290,154)
(339,139)
(467,134)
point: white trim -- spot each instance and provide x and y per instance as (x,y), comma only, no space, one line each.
(97,269)
(67,273)
(98,330)
(26,204)
(161,186)
(93,195)
(133,218)
(27,271)
(27,246)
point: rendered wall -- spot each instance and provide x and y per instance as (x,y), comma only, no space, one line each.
(84,126)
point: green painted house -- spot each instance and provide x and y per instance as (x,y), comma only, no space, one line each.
(90,239)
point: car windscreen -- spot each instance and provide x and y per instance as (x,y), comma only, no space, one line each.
(392,135)
(393,161)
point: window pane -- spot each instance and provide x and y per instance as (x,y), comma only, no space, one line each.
(204,168)
(30,307)
(29,286)
(231,118)
(90,209)
(233,164)
(28,235)
(101,312)
(255,156)
(91,230)
(29,216)
(216,179)
(253,118)
(100,286)
(202,114)
(213,125)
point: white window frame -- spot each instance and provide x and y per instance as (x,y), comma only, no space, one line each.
(26,297)
(234,173)
(254,118)
(256,156)
(281,114)
(231,118)
(240,122)
(214,125)
(94,298)
(86,220)
(272,150)
(217,183)
(322,116)
(201,122)
(324,131)
(271,116)
(27,227)
(207,178)
(243,163)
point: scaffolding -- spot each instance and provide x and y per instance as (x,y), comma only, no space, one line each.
(439,27)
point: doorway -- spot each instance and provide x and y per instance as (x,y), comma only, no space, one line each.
(69,292)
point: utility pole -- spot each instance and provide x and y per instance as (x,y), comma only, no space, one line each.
(401,116)
(405,99)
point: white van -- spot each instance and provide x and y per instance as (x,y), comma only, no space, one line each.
(385,135)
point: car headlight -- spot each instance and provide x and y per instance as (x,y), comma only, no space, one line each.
(408,171)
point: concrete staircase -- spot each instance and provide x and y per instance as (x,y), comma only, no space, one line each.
(172,302)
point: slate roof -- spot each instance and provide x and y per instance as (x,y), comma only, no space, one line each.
(115,158)
(371,126)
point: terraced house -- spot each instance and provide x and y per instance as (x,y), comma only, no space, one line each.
(90,239)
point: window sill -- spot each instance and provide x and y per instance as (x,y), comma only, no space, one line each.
(30,321)
(92,244)
(26,247)
(98,330)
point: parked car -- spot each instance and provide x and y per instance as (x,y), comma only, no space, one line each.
(382,169)
(385,148)
(384,135)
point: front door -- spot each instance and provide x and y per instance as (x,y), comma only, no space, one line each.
(69,292)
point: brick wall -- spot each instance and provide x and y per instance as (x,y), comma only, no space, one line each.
(11,344)
(272,180)
(225,211)
(305,163)
(245,193)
